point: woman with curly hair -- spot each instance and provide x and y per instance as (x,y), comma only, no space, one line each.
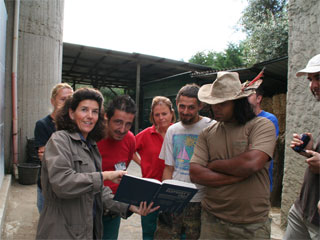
(72,180)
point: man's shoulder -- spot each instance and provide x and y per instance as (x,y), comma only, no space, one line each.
(260,122)
(268,115)
(129,139)
(257,120)
(206,122)
(174,127)
(129,136)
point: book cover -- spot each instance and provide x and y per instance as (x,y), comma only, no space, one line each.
(170,195)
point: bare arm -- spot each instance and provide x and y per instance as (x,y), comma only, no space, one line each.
(243,165)
(114,176)
(207,177)
(136,158)
(167,172)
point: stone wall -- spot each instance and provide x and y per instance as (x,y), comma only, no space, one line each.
(302,110)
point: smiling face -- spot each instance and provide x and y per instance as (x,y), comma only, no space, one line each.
(223,112)
(85,116)
(119,124)
(314,85)
(162,116)
(188,109)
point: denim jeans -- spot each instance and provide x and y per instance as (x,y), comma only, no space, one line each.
(40,199)
(111,225)
(149,225)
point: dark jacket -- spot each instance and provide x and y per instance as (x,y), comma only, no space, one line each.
(73,190)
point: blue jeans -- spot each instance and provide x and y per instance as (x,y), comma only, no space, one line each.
(40,199)
(149,225)
(111,225)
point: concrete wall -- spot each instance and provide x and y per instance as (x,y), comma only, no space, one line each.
(302,110)
(3,26)
(39,66)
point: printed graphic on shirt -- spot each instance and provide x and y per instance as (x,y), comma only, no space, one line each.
(183,147)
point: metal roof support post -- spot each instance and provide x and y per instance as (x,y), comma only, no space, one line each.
(136,128)
(14,86)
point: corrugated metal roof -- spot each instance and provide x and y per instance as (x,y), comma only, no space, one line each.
(103,67)
(274,80)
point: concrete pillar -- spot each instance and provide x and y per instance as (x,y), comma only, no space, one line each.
(303,112)
(39,66)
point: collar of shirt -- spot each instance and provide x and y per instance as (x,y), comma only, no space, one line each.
(84,140)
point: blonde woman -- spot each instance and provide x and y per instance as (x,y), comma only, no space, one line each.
(45,127)
(148,146)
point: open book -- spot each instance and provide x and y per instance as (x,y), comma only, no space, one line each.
(170,195)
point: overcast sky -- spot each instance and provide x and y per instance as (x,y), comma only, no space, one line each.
(174,29)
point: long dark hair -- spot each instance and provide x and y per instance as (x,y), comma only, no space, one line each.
(64,122)
(242,111)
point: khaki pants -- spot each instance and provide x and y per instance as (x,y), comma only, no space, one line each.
(215,228)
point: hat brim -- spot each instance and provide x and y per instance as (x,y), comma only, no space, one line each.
(308,70)
(205,96)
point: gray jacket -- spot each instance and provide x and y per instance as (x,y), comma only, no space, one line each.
(73,190)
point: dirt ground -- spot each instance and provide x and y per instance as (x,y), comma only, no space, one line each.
(22,215)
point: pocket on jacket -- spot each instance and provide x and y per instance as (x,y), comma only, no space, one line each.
(76,231)
(80,165)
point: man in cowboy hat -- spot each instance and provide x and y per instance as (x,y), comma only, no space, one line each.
(231,159)
(303,217)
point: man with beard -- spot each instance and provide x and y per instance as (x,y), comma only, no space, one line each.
(303,217)
(116,150)
(231,159)
(177,150)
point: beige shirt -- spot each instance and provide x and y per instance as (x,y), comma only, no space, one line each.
(246,201)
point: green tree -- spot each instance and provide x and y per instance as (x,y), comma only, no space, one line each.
(110,93)
(232,57)
(266,24)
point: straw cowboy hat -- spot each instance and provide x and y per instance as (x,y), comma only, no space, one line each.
(227,87)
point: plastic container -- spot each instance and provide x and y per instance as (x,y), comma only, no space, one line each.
(28,173)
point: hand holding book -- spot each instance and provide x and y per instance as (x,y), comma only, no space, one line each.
(143,209)
(170,195)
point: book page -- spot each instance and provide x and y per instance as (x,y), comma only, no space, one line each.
(146,179)
(179,183)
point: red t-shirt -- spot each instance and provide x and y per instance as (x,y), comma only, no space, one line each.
(114,152)
(149,143)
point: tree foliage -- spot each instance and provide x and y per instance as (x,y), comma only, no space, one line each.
(266,24)
(232,57)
